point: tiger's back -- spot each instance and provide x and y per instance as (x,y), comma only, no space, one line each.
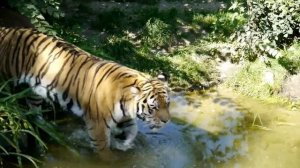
(104,93)
(51,66)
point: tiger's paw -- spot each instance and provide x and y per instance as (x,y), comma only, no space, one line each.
(122,145)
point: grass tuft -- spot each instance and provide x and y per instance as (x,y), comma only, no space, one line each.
(20,128)
(251,79)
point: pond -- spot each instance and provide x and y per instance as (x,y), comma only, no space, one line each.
(212,129)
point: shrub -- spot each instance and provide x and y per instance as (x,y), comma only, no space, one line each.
(109,20)
(272,24)
(291,59)
(37,10)
(221,24)
(15,126)
(156,33)
(21,128)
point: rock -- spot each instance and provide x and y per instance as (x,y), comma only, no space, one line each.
(227,69)
(291,87)
(268,77)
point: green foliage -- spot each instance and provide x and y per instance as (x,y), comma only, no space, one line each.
(20,127)
(220,24)
(15,126)
(36,10)
(151,40)
(157,33)
(148,2)
(144,14)
(291,59)
(251,79)
(120,47)
(189,71)
(272,24)
(73,36)
(109,21)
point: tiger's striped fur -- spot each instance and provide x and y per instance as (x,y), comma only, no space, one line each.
(107,95)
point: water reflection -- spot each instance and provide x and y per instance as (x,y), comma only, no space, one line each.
(217,128)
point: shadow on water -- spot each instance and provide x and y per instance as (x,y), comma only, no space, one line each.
(206,131)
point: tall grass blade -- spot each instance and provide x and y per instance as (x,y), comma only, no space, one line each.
(29,158)
(50,130)
(15,96)
(35,136)
(12,144)
(3,149)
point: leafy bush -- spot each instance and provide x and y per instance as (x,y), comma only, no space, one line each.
(291,59)
(36,10)
(109,21)
(120,47)
(15,126)
(221,24)
(272,24)
(157,33)
(20,128)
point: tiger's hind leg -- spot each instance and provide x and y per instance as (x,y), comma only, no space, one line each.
(29,99)
(124,135)
(34,101)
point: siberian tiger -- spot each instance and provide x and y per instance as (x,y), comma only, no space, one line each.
(107,95)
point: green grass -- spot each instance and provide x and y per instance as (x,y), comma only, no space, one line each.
(157,41)
(220,25)
(21,129)
(249,80)
(156,34)
(15,126)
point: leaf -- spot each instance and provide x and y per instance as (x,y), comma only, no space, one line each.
(40,17)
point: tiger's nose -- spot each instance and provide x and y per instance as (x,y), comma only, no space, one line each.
(164,117)
(164,120)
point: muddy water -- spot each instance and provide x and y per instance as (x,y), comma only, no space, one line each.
(213,129)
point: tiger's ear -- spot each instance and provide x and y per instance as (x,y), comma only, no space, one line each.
(163,77)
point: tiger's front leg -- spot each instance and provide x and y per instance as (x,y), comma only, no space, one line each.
(124,134)
(99,135)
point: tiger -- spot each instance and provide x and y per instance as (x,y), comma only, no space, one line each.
(108,96)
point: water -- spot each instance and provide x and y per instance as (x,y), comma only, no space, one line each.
(213,129)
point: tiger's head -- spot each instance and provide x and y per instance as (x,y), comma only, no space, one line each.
(153,102)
